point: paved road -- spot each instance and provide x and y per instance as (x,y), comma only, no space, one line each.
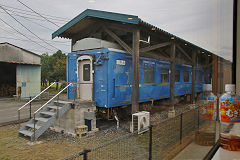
(9,107)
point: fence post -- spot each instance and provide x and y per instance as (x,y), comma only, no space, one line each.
(30,110)
(150,142)
(181,118)
(85,152)
(198,119)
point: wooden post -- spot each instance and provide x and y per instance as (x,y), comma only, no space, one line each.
(214,74)
(172,75)
(194,63)
(135,75)
(72,43)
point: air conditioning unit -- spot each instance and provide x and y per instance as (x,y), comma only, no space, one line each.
(140,122)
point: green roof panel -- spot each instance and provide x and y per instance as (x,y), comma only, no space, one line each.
(125,18)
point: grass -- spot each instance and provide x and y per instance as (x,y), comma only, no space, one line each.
(13,147)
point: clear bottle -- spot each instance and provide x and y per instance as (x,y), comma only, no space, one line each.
(207,103)
(229,116)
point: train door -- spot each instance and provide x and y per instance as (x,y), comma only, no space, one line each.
(85,78)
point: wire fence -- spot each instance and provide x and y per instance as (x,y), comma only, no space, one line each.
(161,140)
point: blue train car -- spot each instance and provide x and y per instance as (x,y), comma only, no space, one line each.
(105,76)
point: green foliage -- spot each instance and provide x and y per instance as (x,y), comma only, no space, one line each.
(53,67)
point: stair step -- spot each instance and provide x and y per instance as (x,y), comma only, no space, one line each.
(32,126)
(54,107)
(27,133)
(48,113)
(42,119)
(64,102)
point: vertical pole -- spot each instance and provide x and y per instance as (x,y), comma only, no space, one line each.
(150,142)
(34,127)
(215,74)
(135,75)
(172,75)
(198,118)
(30,109)
(181,119)
(236,47)
(194,55)
(18,118)
(85,152)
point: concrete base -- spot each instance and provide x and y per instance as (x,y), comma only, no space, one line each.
(171,113)
(75,117)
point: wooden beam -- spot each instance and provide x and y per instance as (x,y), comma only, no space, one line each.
(156,46)
(155,56)
(135,75)
(194,64)
(118,40)
(172,74)
(184,53)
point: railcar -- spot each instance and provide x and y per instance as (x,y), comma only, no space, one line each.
(105,76)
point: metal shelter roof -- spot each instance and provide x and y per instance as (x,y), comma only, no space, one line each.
(81,21)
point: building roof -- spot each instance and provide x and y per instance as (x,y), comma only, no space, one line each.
(13,54)
(68,29)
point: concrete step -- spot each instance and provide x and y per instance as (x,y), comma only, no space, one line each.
(27,133)
(42,119)
(54,107)
(63,102)
(32,126)
(48,113)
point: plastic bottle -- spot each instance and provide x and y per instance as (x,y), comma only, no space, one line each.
(229,116)
(207,103)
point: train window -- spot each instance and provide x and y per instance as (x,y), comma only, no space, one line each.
(200,76)
(86,72)
(186,76)
(177,76)
(164,75)
(148,74)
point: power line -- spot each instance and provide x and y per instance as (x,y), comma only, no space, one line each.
(28,29)
(38,13)
(25,40)
(60,18)
(53,41)
(23,34)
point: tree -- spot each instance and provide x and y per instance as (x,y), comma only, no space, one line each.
(54,67)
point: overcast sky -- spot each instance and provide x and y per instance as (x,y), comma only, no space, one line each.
(206,23)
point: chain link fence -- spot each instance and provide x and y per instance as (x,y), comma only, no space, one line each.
(162,140)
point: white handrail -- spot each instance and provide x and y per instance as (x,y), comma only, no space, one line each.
(51,99)
(35,97)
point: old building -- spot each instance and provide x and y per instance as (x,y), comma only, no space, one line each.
(20,72)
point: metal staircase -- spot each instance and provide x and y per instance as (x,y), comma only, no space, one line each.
(44,117)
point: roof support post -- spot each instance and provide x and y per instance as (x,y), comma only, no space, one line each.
(135,75)
(214,74)
(172,75)
(72,43)
(194,63)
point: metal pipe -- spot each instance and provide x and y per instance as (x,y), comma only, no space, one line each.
(150,142)
(30,110)
(34,126)
(36,96)
(117,121)
(52,98)
(19,118)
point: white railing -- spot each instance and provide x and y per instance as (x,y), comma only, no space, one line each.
(29,102)
(34,114)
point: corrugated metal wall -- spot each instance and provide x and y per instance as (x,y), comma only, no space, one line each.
(29,79)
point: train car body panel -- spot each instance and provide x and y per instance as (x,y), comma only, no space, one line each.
(112,77)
